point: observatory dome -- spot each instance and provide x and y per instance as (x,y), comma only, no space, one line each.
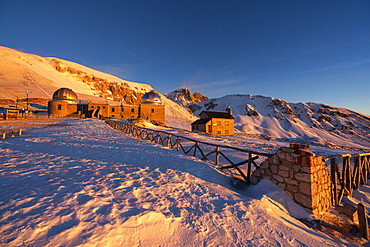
(151,98)
(65,94)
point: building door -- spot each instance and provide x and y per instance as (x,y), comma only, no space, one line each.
(209,129)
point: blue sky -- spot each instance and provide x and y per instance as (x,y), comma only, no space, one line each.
(298,51)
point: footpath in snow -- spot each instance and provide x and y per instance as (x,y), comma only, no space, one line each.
(81,183)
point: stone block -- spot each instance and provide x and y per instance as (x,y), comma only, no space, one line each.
(280,154)
(305,188)
(286,165)
(303,200)
(305,169)
(267,172)
(281,185)
(271,160)
(291,181)
(274,169)
(283,174)
(278,178)
(296,167)
(292,188)
(290,194)
(303,177)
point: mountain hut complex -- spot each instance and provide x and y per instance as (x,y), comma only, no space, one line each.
(65,103)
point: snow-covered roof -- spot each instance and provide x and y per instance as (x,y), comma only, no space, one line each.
(214,114)
(201,121)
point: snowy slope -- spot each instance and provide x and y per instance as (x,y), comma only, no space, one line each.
(268,117)
(42,76)
(81,183)
(22,73)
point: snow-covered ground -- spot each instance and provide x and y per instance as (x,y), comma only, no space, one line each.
(81,183)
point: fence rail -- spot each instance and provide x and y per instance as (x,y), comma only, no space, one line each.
(355,171)
(223,157)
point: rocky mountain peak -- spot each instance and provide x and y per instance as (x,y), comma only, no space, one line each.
(184,97)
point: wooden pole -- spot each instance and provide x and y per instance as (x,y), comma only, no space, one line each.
(249,168)
(333,165)
(362,221)
(217,159)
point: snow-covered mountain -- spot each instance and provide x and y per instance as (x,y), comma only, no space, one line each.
(40,77)
(184,97)
(268,117)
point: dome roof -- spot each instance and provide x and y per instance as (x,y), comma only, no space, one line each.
(65,94)
(151,98)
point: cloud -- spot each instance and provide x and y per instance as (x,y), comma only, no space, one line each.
(337,66)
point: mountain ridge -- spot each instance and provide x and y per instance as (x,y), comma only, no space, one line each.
(23,74)
(275,118)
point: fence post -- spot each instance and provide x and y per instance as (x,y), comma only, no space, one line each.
(217,156)
(362,221)
(249,168)
(333,166)
(3,135)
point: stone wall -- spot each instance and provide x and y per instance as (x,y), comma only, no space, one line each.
(302,174)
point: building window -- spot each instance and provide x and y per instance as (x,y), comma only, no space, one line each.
(92,107)
(218,123)
(132,109)
(226,123)
(152,110)
(59,107)
(98,107)
(122,109)
(112,115)
(103,107)
(219,132)
(226,132)
(113,109)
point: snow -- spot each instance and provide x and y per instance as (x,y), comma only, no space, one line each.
(78,182)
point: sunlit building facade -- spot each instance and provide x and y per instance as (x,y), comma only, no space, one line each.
(65,103)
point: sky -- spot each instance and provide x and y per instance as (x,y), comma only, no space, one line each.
(298,51)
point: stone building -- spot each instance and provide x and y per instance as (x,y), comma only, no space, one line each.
(215,123)
(65,103)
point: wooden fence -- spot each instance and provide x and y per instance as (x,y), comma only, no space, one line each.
(224,157)
(348,172)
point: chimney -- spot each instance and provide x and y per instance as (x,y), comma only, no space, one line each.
(229,111)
